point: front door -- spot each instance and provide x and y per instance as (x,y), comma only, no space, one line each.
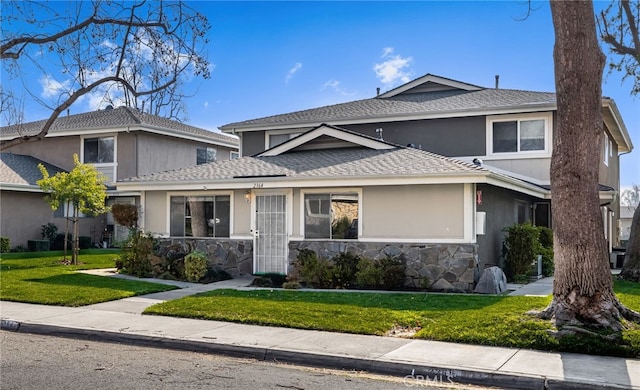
(270,244)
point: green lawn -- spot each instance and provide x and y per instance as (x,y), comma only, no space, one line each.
(41,278)
(473,319)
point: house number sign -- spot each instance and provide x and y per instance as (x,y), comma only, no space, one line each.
(258,185)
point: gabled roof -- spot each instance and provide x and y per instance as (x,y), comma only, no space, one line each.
(327,137)
(118,119)
(430,83)
(429,97)
(20,172)
(358,160)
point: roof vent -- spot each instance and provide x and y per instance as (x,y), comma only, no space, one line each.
(497,81)
(108,107)
(477,162)
(378,91)
(379,133)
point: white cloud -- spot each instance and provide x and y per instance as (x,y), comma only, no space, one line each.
(53,88)
(292,71)
(394,68)
(335,85)
(206,105)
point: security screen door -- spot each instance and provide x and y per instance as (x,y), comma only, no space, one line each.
(270,246)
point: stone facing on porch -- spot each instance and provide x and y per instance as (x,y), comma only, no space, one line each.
(439,267)
(234,256)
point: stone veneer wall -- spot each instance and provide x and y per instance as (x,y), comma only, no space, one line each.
(234,256)
(438,267)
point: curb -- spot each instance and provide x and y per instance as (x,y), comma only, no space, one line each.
(414,375)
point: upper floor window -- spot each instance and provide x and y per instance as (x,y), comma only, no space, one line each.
(518,134)
(205,155)
(275,139)
(98,150)
(608,149)
(234,155)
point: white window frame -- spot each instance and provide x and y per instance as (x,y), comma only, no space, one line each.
(608,150)
(113,164)
(548,134)
(206,149)
(267,136)
(200,193)
(330,191)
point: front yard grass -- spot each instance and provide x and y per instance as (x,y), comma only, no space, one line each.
(42,278)
(471,319)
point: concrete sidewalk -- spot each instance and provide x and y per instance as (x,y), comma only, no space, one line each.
(421,362)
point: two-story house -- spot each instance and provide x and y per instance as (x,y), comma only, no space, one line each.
(431,171)
(120,143)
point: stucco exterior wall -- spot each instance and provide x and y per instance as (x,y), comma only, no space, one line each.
(56,150)
(413,212)
(155,213)
(28,211)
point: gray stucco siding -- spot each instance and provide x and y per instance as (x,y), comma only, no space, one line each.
(451,137)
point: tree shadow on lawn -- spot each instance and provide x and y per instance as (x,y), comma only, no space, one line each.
(93,281)
(394,301)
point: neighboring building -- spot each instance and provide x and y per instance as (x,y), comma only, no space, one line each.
(121,143)
(508,131)
(626,217)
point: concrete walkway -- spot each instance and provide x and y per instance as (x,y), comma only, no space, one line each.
(421,362)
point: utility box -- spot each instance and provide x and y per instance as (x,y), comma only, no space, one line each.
(481,223)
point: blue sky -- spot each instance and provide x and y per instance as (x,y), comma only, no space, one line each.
(276,57)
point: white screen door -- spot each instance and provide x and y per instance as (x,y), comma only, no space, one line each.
(270,244)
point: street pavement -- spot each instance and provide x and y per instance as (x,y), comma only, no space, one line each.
(422,362)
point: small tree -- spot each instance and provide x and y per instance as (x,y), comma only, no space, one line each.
(83,189)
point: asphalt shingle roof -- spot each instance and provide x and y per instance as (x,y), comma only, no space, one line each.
(330,163)
(409,104)
(117,117)
(23,170)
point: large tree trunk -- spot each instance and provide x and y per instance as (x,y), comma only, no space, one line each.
(583,286)
(631,267)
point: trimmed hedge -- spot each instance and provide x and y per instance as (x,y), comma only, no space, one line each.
(38,245)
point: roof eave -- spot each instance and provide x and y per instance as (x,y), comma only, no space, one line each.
(536,107)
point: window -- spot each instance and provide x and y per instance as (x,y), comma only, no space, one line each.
(331,216)
(521,211)
(234,155)
(98,150)
(205,155)
(200,216)
(608,150)
(277,139)
(514,135)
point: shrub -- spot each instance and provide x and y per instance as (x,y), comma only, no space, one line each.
(393,273)
(261,281)
(84,242)
(49,231)
(19,248)
(215,274)
(38,245)
(369,274)
(546,242)
(344,270)
(136,254)
(195,266)
(522,248)
(58,242)
(291,285)
(5,244)
(315,272)
(387,273)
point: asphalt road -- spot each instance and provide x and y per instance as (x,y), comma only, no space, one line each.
(44,362)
